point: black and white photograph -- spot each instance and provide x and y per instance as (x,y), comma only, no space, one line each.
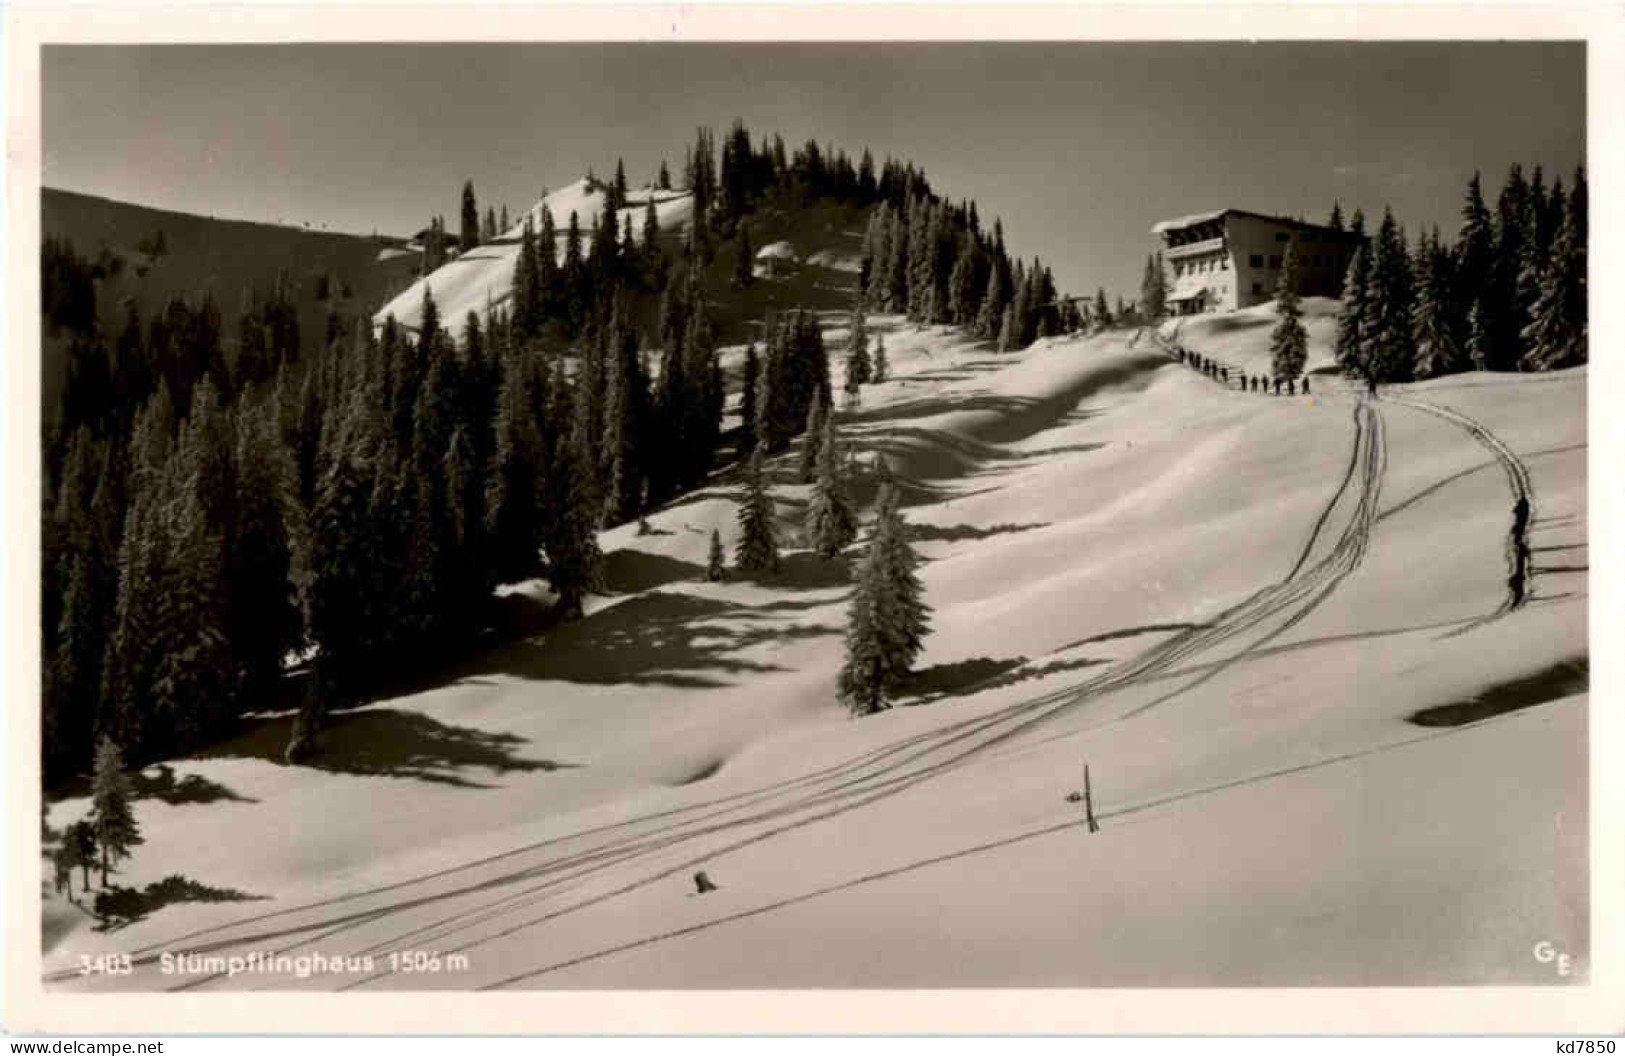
(810,515)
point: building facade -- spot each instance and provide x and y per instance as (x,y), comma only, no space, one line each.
(1219,262)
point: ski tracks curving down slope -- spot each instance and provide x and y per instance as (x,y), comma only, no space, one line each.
(464,907)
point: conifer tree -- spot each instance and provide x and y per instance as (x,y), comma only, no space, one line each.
(771,395)
(266,622)
(573,275)
(502,224)
(1351,337)
(812,437)
(990,314)
(573,558)
(1475,263)
(1154,289)
(758,548)
(344,553)
(1511,246)
(471,219)
(706,396)
(80,844)
(663,181)
(527,285)
(962,303)
(111,816)
(744,273)
(464,574)
(488,230)
(749,381)
(1335,222)
(618,188)
(1289,343)
(1390,350)
(1558,332)
(716,569)
(194,676)
(858,367)
(1435,329)
(1010,330)
(547,263)
(515,520)
(830,523)
(625,418)
(651,240)
(887,619)
(628,257)
(895,268)
(1477,337)
(1103,312)
(881,368)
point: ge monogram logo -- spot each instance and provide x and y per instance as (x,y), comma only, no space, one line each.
(1546,953)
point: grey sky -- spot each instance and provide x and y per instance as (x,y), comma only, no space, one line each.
(1078,147)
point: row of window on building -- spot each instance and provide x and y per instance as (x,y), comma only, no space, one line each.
(1312,260)
(1199,267)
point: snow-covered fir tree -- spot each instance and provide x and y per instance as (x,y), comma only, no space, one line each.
(111,815)
(1289,342)
(1439,348)
(1154,289)
(812,437)
(1350,344)
(830,523)
(758,548)
(858,367)
(887,618)
(1389,353)
(1558,333)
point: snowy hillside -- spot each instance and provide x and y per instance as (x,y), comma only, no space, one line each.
(1326,746)
(482,278)
(1240,340)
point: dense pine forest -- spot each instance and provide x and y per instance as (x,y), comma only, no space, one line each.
(224,506)
(1509,294)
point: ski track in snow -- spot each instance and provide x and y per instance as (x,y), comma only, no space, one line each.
(698,834)
(757,815)
(1518,480)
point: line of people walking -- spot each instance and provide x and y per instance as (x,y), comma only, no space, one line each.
(1247,382)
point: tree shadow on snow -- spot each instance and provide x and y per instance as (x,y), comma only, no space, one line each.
(1129,632)
(386,742)
(158,782)
(634,571)
(1554,683)
(954,533)
(658,639)
(981,674)
(931,406)
(119,907)
(805,570)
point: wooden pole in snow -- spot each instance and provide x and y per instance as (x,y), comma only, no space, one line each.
(1089,801)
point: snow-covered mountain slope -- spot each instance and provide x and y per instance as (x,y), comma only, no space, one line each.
(1236,610)
(482,278)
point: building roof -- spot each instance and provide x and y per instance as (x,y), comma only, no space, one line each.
(1203,218)
(1186,221)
